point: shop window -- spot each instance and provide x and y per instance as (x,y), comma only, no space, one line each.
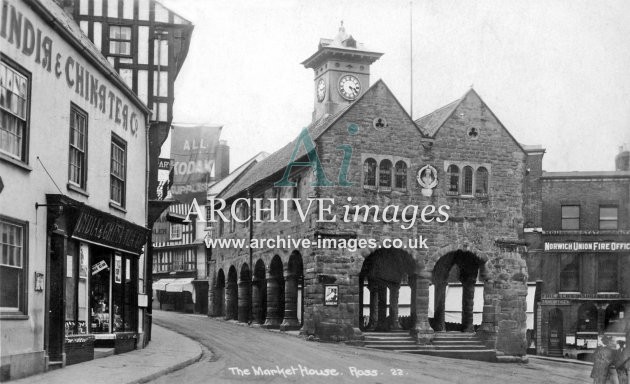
(587,318)
(467,180)
(176,231)
(118,171)
(608,218)
(13,237)
(119,40)
(614,317)
(481,182)
(14,106)
(77,164)
(369,173)
(569,273)
(452,174)
(570,216)
(607,273)
(401,175)
(385,174)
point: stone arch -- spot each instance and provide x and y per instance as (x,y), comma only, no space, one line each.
(293,288)
(244,293)
(383,271)
(218,293)
(468,267)
(275,293)
(231,295)
(259,293)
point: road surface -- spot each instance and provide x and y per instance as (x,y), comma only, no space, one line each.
(237,354)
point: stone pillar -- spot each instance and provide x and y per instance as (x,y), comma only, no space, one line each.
(244,301)
(290,321)
(274,317)
(231,298)
(373,306)
(381,323)
(468,301)
(257,302)
(439,307)
(394,290)
(510,288)
(421,330)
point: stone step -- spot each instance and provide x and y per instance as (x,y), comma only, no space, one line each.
(478,355)
(381,334)
(458,347)
(52,365)
(462,342)
(390,341)
(378,338)
(394,347)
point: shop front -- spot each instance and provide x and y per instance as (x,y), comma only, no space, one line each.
(93,263)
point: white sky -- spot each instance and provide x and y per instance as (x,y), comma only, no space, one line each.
(555,72)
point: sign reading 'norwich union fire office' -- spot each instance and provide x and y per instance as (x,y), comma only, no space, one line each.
(587,246)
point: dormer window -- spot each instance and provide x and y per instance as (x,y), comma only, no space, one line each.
(349,42)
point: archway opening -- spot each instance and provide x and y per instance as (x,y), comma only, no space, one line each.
(259,293)
(218,294)
(275,293)
(385,293)
(293,293)
(454,281)
(231,295)
(244,294)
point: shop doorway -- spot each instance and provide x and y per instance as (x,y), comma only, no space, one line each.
(56,309)
(556,333)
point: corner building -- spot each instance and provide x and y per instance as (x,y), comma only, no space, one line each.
(579,254)
(479,168)
(73,166)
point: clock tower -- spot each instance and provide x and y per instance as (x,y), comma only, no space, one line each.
(342,72)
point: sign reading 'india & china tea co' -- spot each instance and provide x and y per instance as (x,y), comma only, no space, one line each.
(587,246)
(96,226)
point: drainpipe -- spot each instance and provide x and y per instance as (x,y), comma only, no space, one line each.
(148,262)
(251,255)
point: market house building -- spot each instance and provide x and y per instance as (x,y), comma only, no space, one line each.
(475,167)
(73,166)
(579,252)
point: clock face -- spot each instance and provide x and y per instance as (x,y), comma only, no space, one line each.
(321,90)
(349,87)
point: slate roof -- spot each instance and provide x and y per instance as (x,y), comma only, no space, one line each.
(69,29)
(429,124)
(278,160)
(218,187)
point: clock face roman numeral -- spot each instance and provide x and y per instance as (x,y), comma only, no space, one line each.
(349,87)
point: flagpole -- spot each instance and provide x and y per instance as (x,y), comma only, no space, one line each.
(411,59)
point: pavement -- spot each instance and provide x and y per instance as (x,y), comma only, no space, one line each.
(167,352)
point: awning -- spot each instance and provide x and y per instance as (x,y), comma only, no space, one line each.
(181,285)
(160,285)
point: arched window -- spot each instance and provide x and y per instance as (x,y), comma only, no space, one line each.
(587,318)
(453,179)
(401,175)
(369,173)
(467,181)
(481,181)
(385,174)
